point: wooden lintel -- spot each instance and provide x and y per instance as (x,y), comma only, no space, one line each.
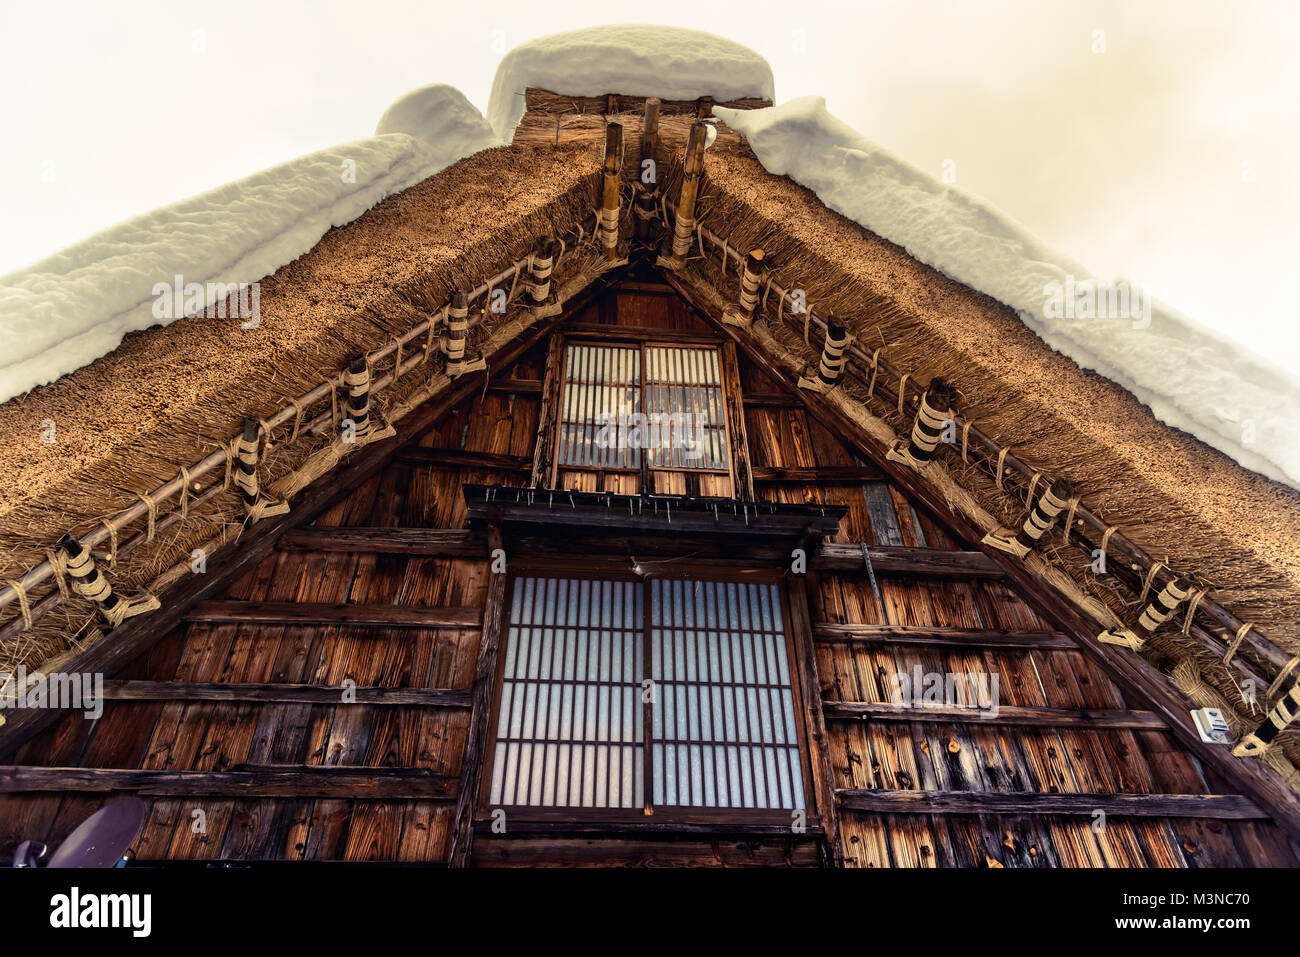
(422,542)
(613,332)
(312,780)
(942,636)
(1021,715)
(1225,807)
(320,613)
(139,690)
(517,828)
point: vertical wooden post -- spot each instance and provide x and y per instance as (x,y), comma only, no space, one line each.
(471,769)
(693,170)
(814,718)
(742,476)
(548,415)
(609,201)
(647,174)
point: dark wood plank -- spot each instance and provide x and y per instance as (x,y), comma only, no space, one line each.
(432,542)
(1216,806)
(463,458)
(975,638)
(1006,715)
(139,690)
(310,780)
(317,613)
(902,560)
(826,475)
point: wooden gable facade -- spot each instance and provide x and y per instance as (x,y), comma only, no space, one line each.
(341,698)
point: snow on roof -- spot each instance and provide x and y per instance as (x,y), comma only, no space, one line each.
(1189,376)
(634,60)
(74,306)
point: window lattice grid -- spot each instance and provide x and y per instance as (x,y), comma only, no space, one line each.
(602,385)
(723,726)
(683,392)
(572,720)
(570,729)
(617,400)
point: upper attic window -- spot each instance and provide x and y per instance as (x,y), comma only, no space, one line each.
(620,402)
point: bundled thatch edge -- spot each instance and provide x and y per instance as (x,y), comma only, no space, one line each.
(176,526)
(1193,662)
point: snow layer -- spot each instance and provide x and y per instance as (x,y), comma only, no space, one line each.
(669,62)
(1190,376)
(76,305)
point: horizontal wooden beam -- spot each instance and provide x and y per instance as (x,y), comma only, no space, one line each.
(248,781)
(1227,807)
(628,332)
(115,690)
(902,560)
(519,828)
(422,542)
(516,386)
(772,400)
(313,613)
(826,475)
(943,636)
(459,458)
(1022,715)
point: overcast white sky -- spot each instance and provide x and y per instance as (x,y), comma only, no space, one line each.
(1169,159)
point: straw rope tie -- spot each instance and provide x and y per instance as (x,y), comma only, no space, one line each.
(1105,540)
(185,493)
(965,436)
(875,368)
(297,419)
(23,605)
(1281,677)
(1236,642)
(1069,517)
(112,539)
(1033,484)
(1150,577)
(59,566)
(1191,610)
(902,391)
(153,515)
(1002,459)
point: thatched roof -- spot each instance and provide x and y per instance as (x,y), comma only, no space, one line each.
(169,396)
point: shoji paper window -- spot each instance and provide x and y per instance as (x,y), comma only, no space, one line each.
(619,402)
(575,711)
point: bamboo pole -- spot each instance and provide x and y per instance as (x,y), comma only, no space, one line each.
(693,169)
(609,200)
(647,178)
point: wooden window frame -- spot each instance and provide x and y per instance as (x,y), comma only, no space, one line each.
(740,817)
(621,338)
